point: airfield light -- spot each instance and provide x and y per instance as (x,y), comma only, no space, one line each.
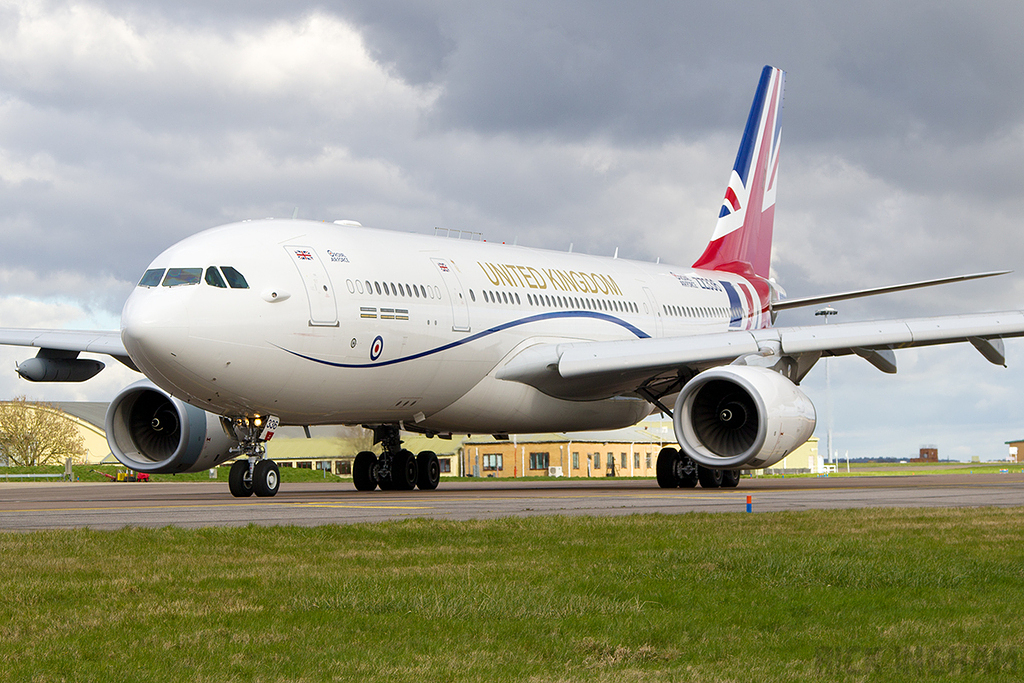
(825,313)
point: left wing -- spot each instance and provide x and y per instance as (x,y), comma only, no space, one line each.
(593,370)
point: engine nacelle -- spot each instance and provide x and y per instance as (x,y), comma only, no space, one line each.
(149,430)
(741,416)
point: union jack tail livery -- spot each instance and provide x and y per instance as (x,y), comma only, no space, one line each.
(742,241)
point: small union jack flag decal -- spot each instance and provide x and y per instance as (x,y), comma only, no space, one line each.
(303,255)
(443,266)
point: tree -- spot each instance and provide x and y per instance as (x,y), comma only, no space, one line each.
(37,434)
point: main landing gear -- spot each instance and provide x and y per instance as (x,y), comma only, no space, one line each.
(396,469)
(253,473)
(676,469)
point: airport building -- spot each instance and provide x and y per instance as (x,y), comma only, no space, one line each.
(1016,450)
(630,452)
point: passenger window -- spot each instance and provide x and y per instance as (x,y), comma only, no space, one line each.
(151,278)
(377,285)
(369,288)
(234,278)
(214,279)
(471,295)
(182,276)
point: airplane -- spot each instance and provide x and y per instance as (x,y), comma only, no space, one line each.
(248,326)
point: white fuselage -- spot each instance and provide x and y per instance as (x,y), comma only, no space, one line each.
(343,324)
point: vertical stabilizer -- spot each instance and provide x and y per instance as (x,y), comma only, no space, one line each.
(742,241)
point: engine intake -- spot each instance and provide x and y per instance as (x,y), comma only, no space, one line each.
(149,430)
(741,416)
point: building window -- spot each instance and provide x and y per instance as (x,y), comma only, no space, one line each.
(304,465)
(575,460)
(648,461)
(597,461)
(446,465)
(492,462)
(636,461)
(622,461)
(538,461)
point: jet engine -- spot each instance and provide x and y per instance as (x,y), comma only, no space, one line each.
(741,416)
(149,430)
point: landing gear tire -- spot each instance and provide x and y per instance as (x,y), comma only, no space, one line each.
(362,471)
(404,471)
(709,478)
(266,478)
(730,479)
(239,481)
(666,468)
(429,471)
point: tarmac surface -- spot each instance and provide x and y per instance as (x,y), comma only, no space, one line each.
(31,506)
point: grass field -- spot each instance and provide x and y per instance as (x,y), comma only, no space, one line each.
(855,595)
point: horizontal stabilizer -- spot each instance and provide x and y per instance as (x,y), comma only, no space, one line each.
(858,293)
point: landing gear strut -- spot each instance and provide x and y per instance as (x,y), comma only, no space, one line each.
(254,473)
(397,469)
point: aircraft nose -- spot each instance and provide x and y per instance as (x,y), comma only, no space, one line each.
(154,328)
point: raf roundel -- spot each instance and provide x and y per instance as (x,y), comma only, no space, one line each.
(377,347)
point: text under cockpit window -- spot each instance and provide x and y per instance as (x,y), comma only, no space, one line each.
(182,276)
(151,278)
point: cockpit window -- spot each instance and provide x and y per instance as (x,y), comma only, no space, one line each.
(213,278)
(234,278)
(182,276)
(151,278)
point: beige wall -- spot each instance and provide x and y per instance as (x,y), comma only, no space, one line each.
(517,460)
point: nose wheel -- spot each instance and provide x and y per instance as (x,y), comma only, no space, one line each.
(254,473)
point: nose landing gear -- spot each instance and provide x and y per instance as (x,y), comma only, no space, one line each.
(255,473)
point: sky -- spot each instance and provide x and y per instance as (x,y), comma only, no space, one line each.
(127,126)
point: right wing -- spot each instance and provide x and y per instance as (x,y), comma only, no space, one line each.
(594,370)
(59,349)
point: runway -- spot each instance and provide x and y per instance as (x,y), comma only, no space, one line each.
(30,506)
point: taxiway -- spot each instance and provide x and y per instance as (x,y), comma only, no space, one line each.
(29,506)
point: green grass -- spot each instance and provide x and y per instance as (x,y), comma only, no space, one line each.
(850,595)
